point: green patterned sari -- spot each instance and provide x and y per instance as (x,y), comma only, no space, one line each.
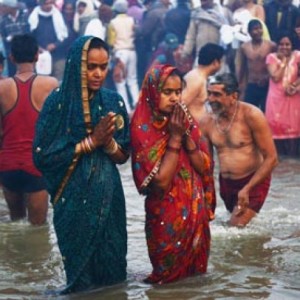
(89,216)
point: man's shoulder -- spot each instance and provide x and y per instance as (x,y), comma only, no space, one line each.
(251,113)
(194,76)
(6,84)
(48,82)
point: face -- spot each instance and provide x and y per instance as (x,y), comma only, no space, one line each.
(170,94)
(97,68)
(47,5)
(81,8)
(256,32)
(285,46)
(218,99)
(69,11)
(207,4)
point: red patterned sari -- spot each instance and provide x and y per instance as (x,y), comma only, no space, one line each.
(177,222)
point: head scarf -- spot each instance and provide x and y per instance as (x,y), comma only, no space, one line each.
(62,122)
(149,128)
(149,138)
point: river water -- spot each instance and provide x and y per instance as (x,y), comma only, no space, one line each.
(260,261)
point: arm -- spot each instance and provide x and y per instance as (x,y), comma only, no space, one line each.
(195,154)
(191,89)
(190,39)
(102,136)
(260,13)
(277,71)
(262,138)
(241,67)
(167,169)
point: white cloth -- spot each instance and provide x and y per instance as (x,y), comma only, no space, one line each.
(128,58)
(44,64)
(88,11)
(96,28)
(58,21)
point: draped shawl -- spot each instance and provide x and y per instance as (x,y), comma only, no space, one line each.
(89,217)
(177,227)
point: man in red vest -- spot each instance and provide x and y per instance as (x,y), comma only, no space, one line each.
(21,99)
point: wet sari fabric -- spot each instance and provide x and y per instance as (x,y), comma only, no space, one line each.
(177,222)
(89,217)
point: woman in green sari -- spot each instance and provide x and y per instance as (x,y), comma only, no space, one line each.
(81,134)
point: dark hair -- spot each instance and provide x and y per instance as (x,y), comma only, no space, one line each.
(176,72)
(24,48)
(210,52)
(284,33)
(252,24)
(229,81)
(97,43)
(2,58)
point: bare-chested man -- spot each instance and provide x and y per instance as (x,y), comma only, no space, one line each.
(21,99)
(251,68)
(194,95)
(246,152)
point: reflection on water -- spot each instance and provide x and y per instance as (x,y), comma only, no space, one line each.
(257,262)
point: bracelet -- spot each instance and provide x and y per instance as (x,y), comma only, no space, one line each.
(112,147)
(87,145)
(173,149)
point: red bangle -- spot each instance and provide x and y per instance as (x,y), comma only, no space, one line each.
(173,149)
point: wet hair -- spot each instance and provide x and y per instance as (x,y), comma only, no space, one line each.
(252,24)
(97,43)
(229,81)
(284,33)
(24,48)
(210,52)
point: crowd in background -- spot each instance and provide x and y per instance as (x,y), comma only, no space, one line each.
(141,34)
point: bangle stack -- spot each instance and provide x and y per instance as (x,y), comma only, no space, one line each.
(87,145)
(112,147)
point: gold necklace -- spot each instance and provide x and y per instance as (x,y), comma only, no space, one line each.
(225,130)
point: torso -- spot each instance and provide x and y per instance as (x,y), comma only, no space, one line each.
(256,61)
(41,88)
(237,153)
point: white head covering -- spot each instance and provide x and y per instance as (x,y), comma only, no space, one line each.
(9,3)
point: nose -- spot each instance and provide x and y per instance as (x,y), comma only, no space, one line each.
(98,73)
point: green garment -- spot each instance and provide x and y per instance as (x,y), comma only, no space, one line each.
(89,217)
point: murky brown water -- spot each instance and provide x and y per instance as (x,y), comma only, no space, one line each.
(252,263)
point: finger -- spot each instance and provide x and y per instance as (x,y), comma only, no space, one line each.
(238,210)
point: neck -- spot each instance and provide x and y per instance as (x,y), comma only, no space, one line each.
(257,42)
(229,116)
(25,68)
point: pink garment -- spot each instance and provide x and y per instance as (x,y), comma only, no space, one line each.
(283,111)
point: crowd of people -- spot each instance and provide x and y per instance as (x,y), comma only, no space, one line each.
(166,85)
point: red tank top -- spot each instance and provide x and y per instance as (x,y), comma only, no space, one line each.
(18,126)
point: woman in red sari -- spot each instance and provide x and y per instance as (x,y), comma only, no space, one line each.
(172,167)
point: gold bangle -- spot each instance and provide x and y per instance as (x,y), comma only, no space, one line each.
(112,147)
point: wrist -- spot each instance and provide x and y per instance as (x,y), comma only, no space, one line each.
(175,141)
